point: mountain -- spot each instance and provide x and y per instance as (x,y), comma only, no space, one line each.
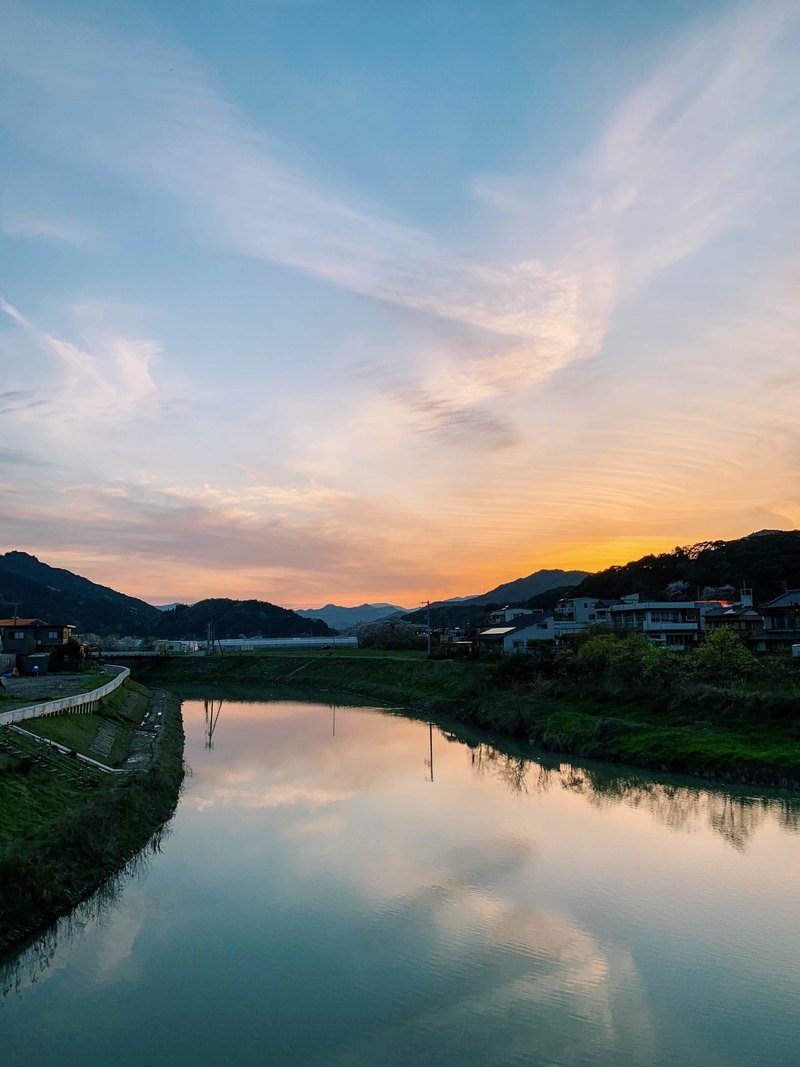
(236,618)
(763,561)
(541,590)
(41,591)
(525,588)
(57,595)
(342,618)
(460,611)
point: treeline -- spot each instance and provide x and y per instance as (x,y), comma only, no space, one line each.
(763,561)
(233,618)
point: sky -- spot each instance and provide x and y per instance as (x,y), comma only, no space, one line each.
(335,300)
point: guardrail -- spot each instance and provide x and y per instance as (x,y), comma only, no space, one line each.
(78,703)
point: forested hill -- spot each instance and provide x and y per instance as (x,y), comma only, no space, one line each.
(37,590)
(233,618)
(762,561)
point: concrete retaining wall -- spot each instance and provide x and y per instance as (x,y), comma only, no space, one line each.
(80,702)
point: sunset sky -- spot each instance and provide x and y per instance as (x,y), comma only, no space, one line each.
(313,300)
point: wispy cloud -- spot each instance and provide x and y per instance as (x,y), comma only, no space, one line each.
(68,231)
(112,382)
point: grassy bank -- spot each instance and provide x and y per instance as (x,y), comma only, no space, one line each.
(64,831)
(116,717)
(725,731)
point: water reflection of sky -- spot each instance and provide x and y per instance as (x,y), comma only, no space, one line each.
(321,900)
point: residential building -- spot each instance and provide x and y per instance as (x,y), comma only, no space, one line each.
(518,635)
(742,617)
(508,615)
(670,623)
(781,623)
(33,635)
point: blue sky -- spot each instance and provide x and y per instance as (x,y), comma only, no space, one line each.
(321,301)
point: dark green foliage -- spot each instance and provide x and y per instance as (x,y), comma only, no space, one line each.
(625,701)
(67,657)
(513,672)
(46,872)
(234,618)
(763,561)
(58,596)
(724,658)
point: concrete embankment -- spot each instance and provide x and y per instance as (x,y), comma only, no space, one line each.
(51,861)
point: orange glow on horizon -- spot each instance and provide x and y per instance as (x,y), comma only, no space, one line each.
(164,582)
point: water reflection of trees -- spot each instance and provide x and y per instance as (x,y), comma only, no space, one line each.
(733,815)
(26,966)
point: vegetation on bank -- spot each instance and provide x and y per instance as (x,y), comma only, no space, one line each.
(119,713)
(719,712)
(64,830)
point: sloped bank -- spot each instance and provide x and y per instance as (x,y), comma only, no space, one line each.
(707,740)
(45,873)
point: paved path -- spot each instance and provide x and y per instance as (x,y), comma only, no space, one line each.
(145,737)
(29,690)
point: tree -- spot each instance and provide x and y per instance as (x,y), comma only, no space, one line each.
(724,658)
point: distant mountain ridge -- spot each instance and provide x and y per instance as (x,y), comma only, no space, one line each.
(525,588)
(514,592)
(37,590)
(343,618)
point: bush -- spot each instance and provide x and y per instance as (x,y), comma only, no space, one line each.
(724,658)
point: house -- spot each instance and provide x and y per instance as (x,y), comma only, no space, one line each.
(781,623)
(675,624)
(33,635)
(507,615)
(741,617)
(519,635)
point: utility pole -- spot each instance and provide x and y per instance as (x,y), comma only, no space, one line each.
(429,627)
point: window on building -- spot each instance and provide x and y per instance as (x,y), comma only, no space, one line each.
(19,635)
(52,633)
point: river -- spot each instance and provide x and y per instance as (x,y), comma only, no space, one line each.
(346,886)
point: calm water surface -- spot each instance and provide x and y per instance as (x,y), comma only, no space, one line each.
(347,887)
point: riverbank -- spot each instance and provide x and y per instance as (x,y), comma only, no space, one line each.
(715,736)
(63,833)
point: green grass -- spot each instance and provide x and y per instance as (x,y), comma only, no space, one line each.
(58,843)
(78,732)
(128,702)
(123,710)
(722,735)
(31,801)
